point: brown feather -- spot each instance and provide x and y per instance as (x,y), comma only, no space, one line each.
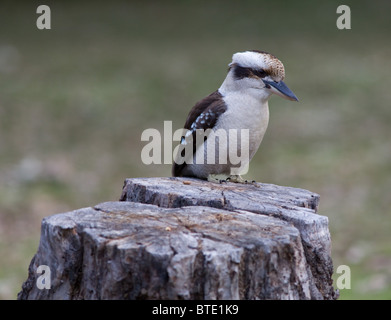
(203,115)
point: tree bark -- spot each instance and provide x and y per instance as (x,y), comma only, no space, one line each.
(180,238)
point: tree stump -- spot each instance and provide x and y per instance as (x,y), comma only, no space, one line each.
(181,238)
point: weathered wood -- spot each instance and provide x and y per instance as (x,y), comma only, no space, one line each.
(294,205)
(177,238)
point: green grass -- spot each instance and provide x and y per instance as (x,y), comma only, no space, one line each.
(74,101)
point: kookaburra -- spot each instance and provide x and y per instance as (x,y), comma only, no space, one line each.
(240,103)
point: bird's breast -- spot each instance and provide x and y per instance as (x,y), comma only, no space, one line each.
(246,112)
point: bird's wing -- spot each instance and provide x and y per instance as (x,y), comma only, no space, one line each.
(203,115)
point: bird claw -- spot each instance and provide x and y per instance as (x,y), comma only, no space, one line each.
(233,178)
(239,179)
(254,183)
(217,178)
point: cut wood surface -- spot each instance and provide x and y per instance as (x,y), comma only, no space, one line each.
(181,238)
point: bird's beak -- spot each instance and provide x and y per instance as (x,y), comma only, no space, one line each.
(281,89)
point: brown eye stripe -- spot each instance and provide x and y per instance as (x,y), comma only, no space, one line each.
(242,72)
(259,73)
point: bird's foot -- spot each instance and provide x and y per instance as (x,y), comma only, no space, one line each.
(239,179)
(236,179)
(218,178)
(221,178)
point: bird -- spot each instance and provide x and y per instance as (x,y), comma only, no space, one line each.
(241,104)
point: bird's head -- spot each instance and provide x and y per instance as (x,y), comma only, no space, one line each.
(258,72)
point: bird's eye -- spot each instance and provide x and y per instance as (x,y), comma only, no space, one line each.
(261,73)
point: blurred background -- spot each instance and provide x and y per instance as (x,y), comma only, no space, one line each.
(75,99)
